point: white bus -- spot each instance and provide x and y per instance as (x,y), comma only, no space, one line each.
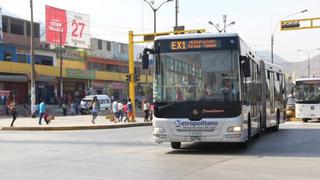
(211,88)
(308,98)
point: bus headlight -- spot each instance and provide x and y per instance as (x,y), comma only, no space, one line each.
(158,130)
(235,129)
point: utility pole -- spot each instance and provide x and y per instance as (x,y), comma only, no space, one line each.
(33,83)
(177,11)
(224,22)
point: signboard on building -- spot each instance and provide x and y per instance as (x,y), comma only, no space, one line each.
(81,73)
(1,31)
(67,27)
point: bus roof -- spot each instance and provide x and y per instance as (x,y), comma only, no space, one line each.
(198,35)
(273,67)
(308,79)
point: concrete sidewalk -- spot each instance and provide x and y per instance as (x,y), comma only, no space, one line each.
(79,122)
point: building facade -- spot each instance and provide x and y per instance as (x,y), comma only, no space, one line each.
(100,70)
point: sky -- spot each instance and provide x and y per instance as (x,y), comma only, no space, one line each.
(255,20)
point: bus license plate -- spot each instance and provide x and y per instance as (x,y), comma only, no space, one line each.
(195,135)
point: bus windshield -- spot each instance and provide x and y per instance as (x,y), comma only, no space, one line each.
(308,93)
(197,76)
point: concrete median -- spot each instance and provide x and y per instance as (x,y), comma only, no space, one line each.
(92,127)
(62,123)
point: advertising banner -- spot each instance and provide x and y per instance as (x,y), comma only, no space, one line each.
(1,34)
(81,73)
(67,27)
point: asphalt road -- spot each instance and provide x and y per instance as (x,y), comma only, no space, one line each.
(130,153)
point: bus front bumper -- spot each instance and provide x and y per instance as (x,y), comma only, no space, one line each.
(164,131)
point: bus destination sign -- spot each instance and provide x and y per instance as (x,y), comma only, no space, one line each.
(194,44)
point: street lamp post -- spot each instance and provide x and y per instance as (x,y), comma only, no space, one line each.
(32,60)
(308,54)
(60,48)
(225,25)
(155,9)
(272,35)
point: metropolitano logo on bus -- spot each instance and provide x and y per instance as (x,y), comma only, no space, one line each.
(203,125)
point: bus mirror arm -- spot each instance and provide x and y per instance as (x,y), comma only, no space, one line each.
(245,66)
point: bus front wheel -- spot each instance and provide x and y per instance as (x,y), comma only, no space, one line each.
(305,120)
(175,145)
(243,145)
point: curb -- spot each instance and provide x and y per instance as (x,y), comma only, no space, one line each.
(112,126)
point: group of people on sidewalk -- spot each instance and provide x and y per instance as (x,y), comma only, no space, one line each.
(122,109)
(12,107)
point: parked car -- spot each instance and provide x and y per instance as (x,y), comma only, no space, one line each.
(290,107)
(104,100)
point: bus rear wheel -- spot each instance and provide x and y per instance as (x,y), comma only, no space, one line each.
(175,145)
(276,127)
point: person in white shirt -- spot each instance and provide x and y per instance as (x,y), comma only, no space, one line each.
(115,110)
(146,106)
(120,111)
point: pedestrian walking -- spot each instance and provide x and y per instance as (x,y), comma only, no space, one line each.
(64,108)
(42,111)
(125,112)
(151,110)
(95,109)
(13,110)
(130,111)
(76,105)
(120,110)
(146,110)
(115,111)
(8,102)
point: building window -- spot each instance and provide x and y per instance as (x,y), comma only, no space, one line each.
(5,24)
(108,46)
(122,48)
(22,58)
(7,56)
(44,60)
(112,68)
(36,29)
(16,26)
(99,44)
(96,66)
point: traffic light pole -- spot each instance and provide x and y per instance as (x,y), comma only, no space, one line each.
(131,74)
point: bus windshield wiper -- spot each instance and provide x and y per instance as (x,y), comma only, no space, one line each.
(174,103)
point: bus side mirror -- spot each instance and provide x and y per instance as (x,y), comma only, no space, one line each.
(145,61)
(145,57)
(245,66)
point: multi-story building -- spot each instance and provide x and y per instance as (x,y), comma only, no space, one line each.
(101,69)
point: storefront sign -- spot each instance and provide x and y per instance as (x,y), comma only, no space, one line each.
(116,85)
(99,84)
(4,93)
(73,28)
(81,73)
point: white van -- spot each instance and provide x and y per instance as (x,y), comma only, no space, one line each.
(105,103)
